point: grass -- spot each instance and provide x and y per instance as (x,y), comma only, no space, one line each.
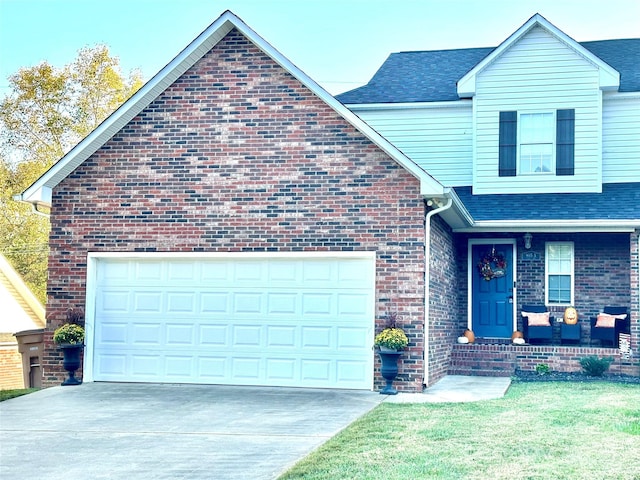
(555,430)
(7,394)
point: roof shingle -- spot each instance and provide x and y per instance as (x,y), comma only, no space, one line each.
(555,206)
(431,76)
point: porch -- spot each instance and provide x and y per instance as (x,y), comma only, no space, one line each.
(498,358)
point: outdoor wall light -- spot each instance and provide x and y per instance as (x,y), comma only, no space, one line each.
(527,240)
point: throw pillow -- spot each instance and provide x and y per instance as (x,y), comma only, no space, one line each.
(608,321)
(537,319)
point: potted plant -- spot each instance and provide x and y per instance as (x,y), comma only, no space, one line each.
(392,338)
(70,339)
(390,342)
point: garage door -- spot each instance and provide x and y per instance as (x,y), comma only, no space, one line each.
(303,321)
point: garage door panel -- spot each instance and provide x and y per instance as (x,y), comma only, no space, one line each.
(149,271)
(181,271)
(112,333)
(147,366)
(245,368)
(316,371)
(355,338)
(215,302)
(352,304)
(264,322)
(282,303)
(180,335)
(181,302)
(111,366)
(317,304)
(213,368)
(248,272)
(145,302)
(281,369)
(316,337)
(247,302)
(348,372)
(213,335)
(281,336)
(113,301)
(246,336)
(179,366)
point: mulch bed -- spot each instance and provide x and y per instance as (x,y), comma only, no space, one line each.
(522,376)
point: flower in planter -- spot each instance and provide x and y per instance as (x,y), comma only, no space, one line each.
(392,336)
(69,333)
(72,332)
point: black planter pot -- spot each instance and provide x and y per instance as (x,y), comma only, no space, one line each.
(71,362)
(389,371)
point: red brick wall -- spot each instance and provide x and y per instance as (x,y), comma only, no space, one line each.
(237,155)
(10,367)
(444,307)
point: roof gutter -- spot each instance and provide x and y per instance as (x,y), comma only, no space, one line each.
(560,226)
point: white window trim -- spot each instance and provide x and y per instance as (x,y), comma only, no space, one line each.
(546,273)
(552,168)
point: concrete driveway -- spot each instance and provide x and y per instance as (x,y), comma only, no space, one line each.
(140,431)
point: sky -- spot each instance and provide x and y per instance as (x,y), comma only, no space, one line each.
(338,43)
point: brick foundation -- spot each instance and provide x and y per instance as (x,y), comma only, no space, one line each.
(504,360)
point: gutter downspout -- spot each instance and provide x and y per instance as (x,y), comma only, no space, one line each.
(427,280)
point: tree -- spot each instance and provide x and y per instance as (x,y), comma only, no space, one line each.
(47,112)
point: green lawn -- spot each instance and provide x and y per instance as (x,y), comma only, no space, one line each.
(7,394)
(555,430)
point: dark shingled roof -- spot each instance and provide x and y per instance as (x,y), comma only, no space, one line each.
(618,201)
(431,76)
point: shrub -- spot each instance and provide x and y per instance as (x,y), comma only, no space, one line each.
(542,369)
(69,333)
(594,366)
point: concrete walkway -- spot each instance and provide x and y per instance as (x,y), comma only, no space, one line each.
(151,431)
(457,388)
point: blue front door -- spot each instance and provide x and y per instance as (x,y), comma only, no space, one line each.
(492,290)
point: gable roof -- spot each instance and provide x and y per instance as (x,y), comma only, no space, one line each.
(20,308)
(432,76)
(40,192)
(609,78)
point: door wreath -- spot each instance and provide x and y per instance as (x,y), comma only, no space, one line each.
(492,265)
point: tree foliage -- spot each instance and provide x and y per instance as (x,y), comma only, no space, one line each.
(46,113)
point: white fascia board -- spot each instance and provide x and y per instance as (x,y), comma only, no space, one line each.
(408,105)
(621,96)
(170,73)
(609,77)
(568,226)
(35,195)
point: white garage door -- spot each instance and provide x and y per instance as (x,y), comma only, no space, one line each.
(285,321)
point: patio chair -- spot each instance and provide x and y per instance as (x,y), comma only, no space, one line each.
(536,327)
(608,325)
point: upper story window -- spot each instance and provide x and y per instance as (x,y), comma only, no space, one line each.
(539,142)
(537,139)
(559,273)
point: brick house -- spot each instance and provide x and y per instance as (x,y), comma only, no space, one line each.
(233,223)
